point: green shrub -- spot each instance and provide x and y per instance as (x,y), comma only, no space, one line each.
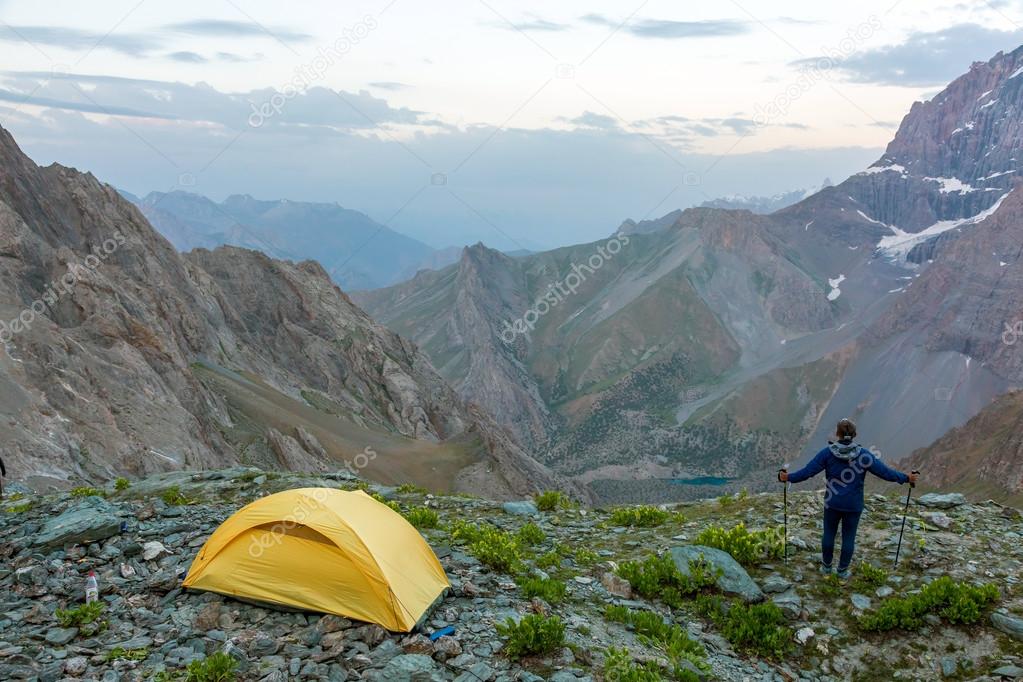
(550,590)
(535,634)
(386,502)
(549,560)
(20,508)
(122,484)
(88,618)
(726,501)
(121,654)
(530,534)
(643,516)
(584,556)
(172,496)
(492,546)
(757,629)
(658,577)
(406,488)
(422,517)
(219,667)
(552,500)
(669,638)
(619,667)
(954,601)
(746,546)
(86,491)
(867,577)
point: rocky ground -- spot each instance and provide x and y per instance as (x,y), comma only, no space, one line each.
(141,539)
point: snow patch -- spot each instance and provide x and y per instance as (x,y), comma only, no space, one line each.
(983,95)
(898,245)
(949,185)
(807,226)
(835,291)
(876,222)
(1016,73)
(985,105)
(897,168)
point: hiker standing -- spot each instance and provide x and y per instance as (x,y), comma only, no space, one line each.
(3,474)
(846,464)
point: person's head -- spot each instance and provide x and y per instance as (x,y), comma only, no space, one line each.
(846,430)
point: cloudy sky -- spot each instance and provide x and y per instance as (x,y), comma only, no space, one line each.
(521,124)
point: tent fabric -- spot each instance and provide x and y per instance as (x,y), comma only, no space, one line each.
(324,550)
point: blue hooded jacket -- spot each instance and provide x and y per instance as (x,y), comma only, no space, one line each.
(846,464)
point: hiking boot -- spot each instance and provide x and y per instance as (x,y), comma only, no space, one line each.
(844,574)
(826,570)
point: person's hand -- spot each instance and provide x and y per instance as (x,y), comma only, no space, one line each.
(914,476)
(783,475)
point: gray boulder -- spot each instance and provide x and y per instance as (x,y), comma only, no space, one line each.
(90,520)
(733,579)
(523,508)
(1010,625)
(941,500)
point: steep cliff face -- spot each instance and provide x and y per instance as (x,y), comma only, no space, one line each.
(120,355)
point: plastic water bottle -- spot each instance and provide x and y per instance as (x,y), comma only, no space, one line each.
(91,588)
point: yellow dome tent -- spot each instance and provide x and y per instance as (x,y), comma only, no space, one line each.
(324,550)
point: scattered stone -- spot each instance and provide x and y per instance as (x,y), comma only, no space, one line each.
(733,579)
(61,636)
(153,550)
(804,635)
(790,603)
(1013,672)
(860,601)
(941,500)
(616,585)
(76,667)
(1010,625)
(939,519)
(884,591)
(949,666)
(90,520)
(775,584)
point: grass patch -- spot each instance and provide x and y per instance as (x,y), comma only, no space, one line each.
(172,496)
(757,629)
(20,508)
(494,547)
(408,488)
(119,653)
(657,577)
(530,534)
(746,546)
(86,491)
(668,638)
(552,500)
(88,618)
(122,484)
(643,516)
(550,590)
(956,602)
(534,635)
(868,577)
(422,517)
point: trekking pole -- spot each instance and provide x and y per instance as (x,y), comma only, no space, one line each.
(785,497)
(904,512)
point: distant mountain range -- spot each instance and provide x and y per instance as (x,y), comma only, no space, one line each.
(722,343)
(355,250)
(764,205)
(118,354)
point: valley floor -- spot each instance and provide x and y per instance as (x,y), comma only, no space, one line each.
(151,629)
